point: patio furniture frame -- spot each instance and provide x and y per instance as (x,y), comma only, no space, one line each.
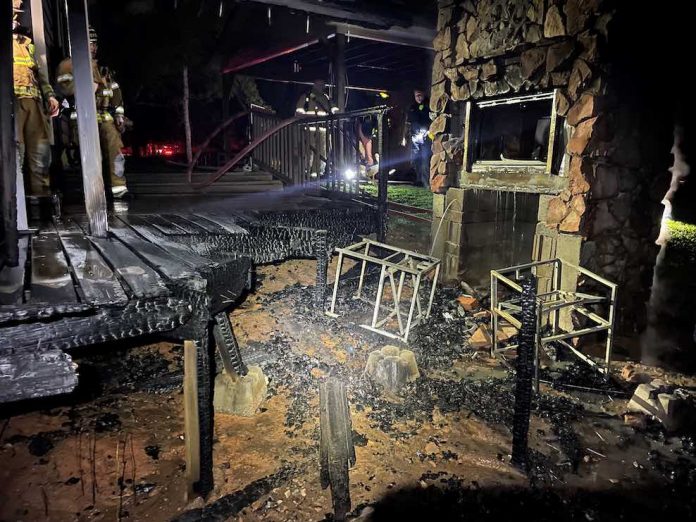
(397,265)
(549,305)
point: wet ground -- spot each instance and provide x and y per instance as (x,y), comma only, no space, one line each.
(440,449)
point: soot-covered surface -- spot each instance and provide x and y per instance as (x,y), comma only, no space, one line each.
(439,449)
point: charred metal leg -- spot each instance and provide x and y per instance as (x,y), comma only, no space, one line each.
(337,452)
(320,250)
(228,346)
(525,370)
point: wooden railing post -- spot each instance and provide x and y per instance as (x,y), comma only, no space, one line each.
(90,151)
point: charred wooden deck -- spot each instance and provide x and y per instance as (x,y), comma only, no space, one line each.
(163,274)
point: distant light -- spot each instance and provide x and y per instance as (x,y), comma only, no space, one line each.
(384,95)
(349,174)
(392,171)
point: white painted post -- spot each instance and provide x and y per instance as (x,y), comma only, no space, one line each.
(90,151)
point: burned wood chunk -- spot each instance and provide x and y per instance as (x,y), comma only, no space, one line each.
(337,452)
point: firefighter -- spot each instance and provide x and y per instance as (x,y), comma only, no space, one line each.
(316,102)
(35,102)
(417,130)
(110,114)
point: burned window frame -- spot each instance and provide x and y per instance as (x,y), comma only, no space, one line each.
(471,132)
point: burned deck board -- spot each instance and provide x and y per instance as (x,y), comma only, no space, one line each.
(189,226)
(230,224)
(95,277)
(51,282)
(206,224)
(135,226)
(12,277)
(68,225)
(163,225)
(142,280)
(162,260)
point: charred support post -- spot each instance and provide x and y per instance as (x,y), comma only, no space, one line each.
(322,254)
(9,252)
(525,371)
(90,151)
(383,179)
(227,346)
(337,452)
(198,416)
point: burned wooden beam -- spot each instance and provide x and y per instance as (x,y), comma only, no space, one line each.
(191,418)
(36,374)
(337,452)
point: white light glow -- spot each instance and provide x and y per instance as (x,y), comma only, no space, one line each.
(349,174)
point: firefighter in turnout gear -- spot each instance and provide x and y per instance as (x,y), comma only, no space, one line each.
(417,130)
(110,114)
(35,105)
(316,103)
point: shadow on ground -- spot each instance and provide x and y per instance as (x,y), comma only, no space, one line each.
(474,504)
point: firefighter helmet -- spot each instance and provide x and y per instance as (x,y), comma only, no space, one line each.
(92,35)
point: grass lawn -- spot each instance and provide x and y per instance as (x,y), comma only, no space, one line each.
(683,239)
(420,197)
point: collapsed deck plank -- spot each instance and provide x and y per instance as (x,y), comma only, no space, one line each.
(40,373)
(51,282)
(12,277)
(162,260)
(97,280)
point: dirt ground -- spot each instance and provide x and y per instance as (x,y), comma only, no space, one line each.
(441,448)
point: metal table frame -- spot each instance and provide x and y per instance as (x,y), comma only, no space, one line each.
(550,305)
(404,266)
